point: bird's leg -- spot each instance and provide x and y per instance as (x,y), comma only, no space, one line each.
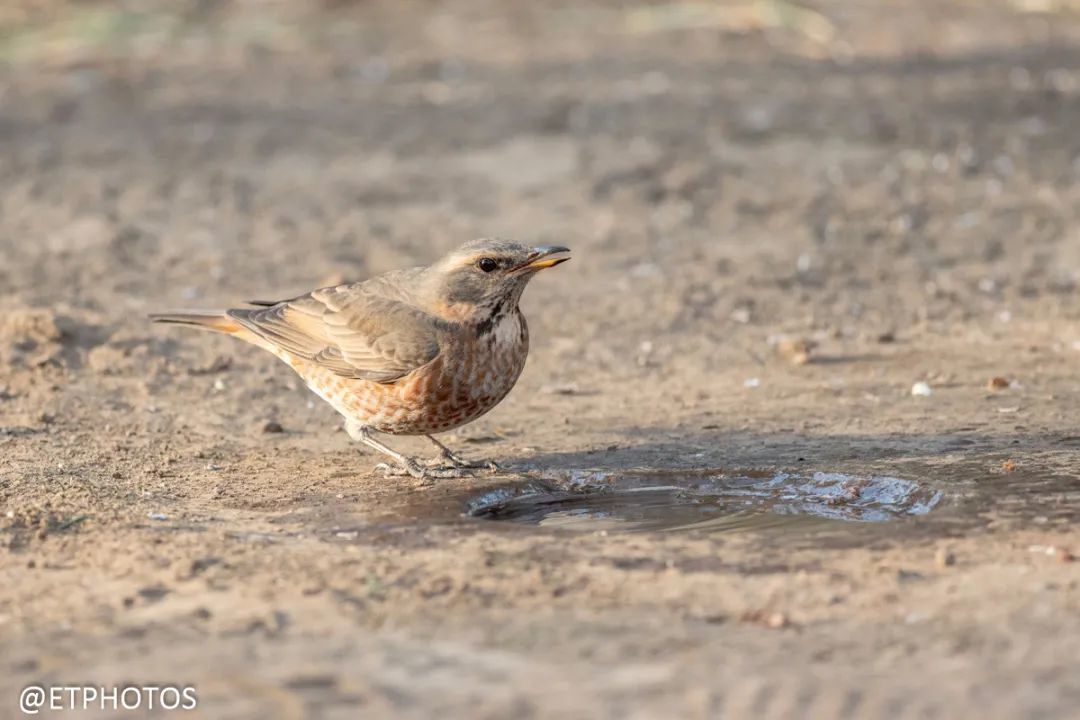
(406,464)
(362,434)
(449,456)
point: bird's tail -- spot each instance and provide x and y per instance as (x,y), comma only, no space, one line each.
(215,320)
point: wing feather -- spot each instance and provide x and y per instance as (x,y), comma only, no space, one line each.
(349,329)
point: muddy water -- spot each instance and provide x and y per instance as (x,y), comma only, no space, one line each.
(713,501)
(937,500)
(911,500)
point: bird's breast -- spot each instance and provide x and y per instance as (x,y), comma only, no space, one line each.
(492,360)
(471,374)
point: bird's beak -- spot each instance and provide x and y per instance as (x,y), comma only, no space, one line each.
(545,257)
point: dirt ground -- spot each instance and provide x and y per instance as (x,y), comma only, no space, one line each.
(896,182)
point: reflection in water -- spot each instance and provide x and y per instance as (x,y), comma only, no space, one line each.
(717,502)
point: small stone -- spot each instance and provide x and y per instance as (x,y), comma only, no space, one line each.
(998,383)
(797,351)
(1061,553)
(765,618)
(944,558)
(221,363)
(153,593)
(922,389)
(273,427)
(741,315)
(561,389)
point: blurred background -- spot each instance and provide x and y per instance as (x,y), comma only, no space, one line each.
(886,162)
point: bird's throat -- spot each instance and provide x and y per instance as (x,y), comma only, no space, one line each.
(491,317)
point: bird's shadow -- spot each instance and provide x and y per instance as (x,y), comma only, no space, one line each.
(679,448)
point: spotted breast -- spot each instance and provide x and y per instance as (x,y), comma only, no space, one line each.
(473,372)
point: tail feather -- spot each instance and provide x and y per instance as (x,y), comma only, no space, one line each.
(215,320)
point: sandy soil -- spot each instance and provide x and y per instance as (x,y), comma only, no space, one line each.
(896,183)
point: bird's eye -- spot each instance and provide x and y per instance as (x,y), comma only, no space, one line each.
(486,264)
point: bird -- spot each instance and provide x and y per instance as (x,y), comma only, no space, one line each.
(415,351)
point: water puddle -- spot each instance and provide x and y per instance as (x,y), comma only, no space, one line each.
(864,506)
(710,501)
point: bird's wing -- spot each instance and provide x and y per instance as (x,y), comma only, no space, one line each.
(349,329)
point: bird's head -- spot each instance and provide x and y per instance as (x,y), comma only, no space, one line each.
(485,277)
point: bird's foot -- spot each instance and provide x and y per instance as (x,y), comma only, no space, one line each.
(425,474)
(453,460)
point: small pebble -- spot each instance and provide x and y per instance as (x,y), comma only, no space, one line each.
(944,558)
(998,383)
(740,315)
(797,351)
(922,389)
(1061,553)
(775,620)
(561,389)
(752,383)
(273,427)
(157,516)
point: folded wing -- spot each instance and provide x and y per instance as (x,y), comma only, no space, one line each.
(350,330)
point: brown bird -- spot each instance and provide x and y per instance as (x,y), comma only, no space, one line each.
(409,352)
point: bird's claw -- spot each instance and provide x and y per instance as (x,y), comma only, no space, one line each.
(425,474)
(461,463)
(407,467)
